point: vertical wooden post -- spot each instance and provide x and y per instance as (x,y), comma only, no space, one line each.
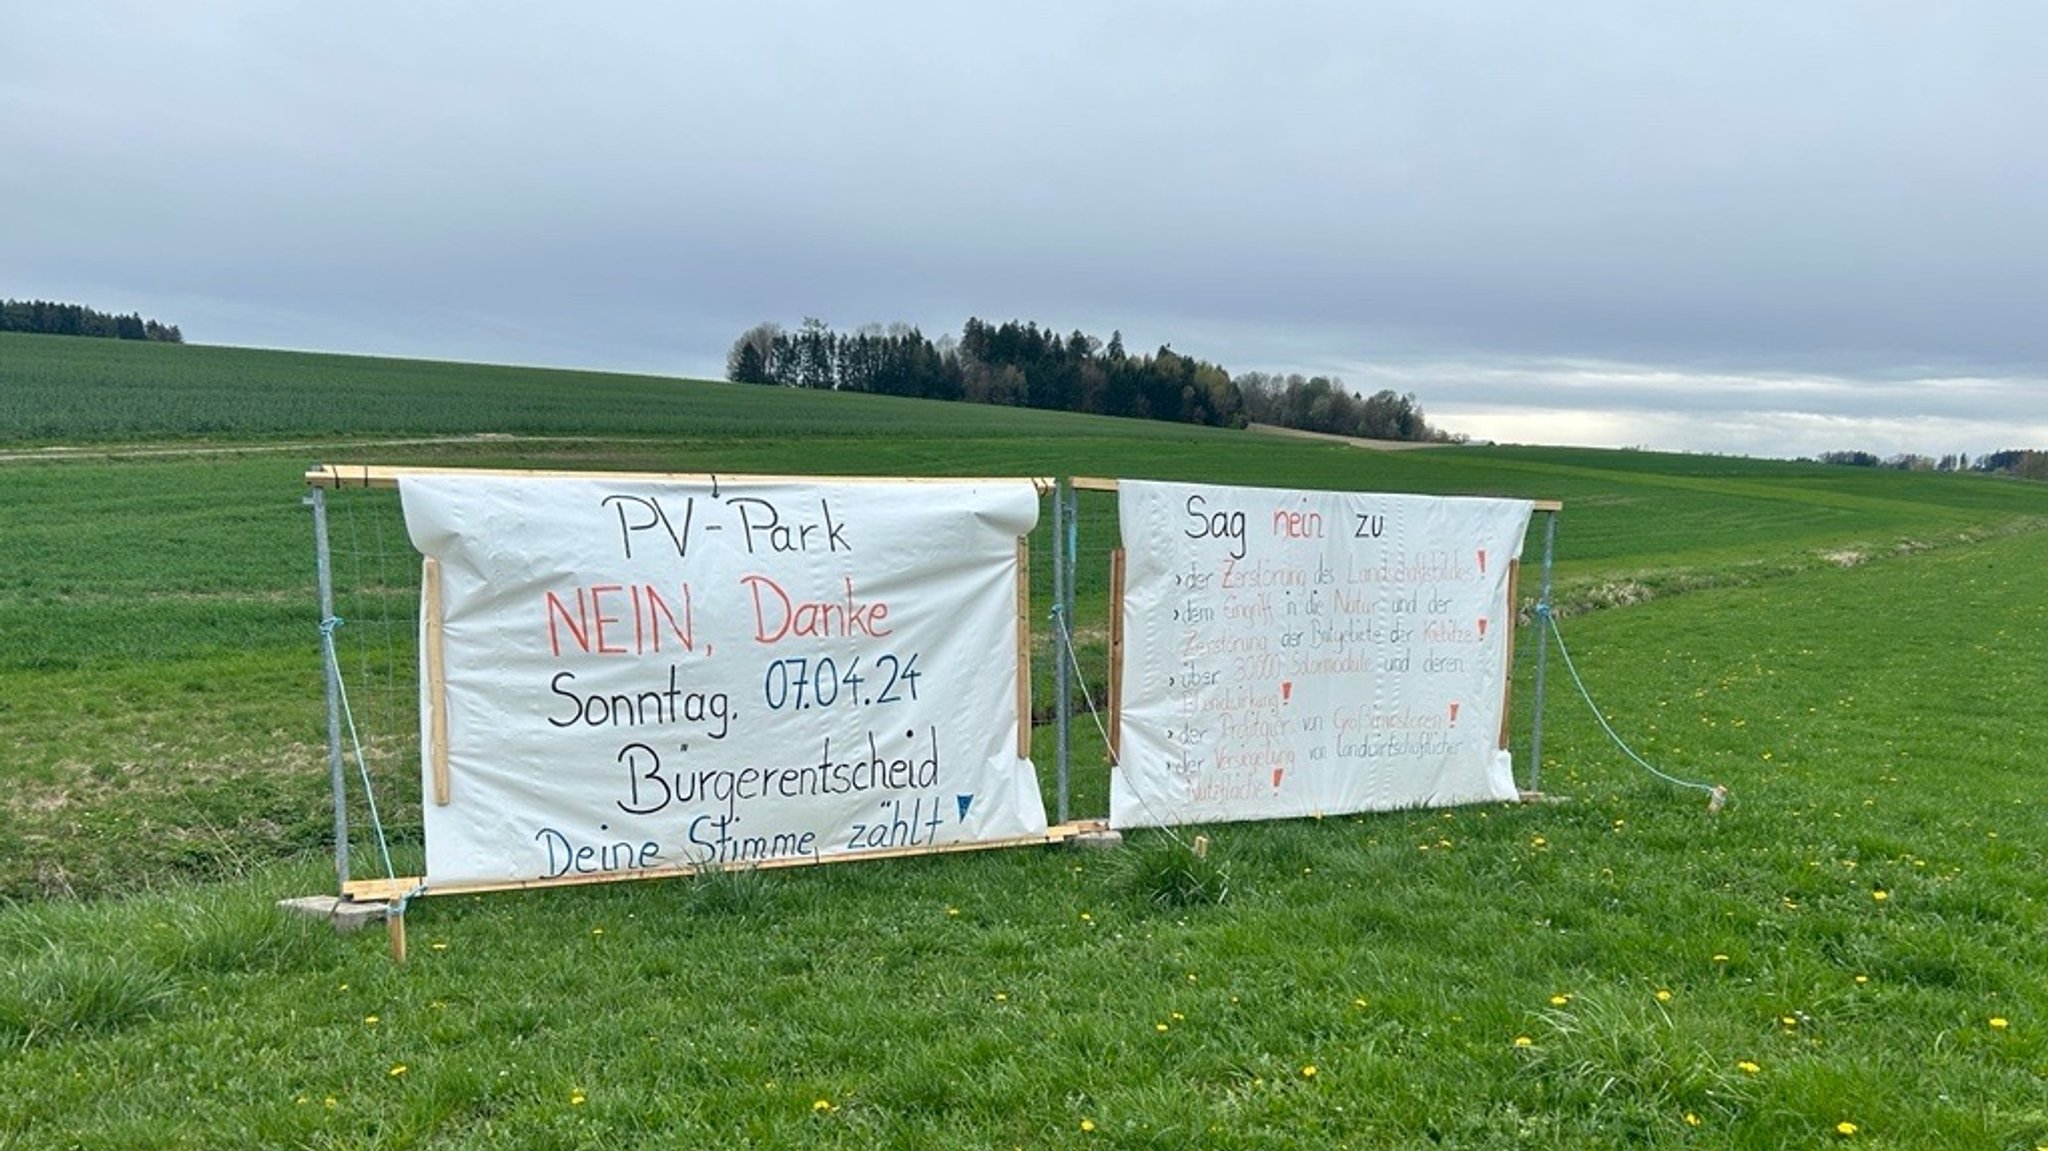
(437,681)
(1023,648)
(1507,689)
(394,925)
(1116,655)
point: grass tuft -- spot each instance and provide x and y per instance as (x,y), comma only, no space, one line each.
(230,936)
(61,993)
(1168,871)
(734,891)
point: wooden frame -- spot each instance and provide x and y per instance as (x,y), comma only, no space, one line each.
(396,892)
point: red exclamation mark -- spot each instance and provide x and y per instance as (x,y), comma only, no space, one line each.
(1482,561)
(1482,627)
(1454,715)
(1277,773)
(1286,690)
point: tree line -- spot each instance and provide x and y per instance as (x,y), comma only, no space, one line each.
(46,317)
(1019,364)
(2022,462)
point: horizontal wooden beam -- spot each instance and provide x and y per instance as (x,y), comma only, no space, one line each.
(1101,484)
(392,890)
(387,476)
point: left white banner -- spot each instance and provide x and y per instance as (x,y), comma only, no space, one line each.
(649,674)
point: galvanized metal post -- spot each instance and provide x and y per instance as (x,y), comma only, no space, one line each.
(1542,654)
(1067,605)
(1061,687)
(323,560)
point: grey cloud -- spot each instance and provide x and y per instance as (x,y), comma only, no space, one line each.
(1834,190)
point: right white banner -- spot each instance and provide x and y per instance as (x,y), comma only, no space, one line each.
(1291,653)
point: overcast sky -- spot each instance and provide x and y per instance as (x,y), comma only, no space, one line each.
(1764,228)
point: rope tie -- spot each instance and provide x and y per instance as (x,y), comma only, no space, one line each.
(328,627)
(1717,795)
(1067,640)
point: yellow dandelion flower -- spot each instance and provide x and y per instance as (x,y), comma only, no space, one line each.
(1747,1067)
(1663,995)
(1539,841)
(1178,1017)
(369,1021)
(1880,895)
(1159,1027)
(952,911)
(1309,1072)
(1087,1124)
(597,931)
(1691,1120)
(1789,1021)
(439,946)
(330,1102)
(1846,1128)
(1002,997)
(1087,918)
(1863,979)
(1560,1000)
(1998,1023)
(1359,1002)
(575,1098)
(1720,958)
(397,1069)
(821,1105)
(1524,1041)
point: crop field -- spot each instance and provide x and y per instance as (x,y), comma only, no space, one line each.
(1850,954)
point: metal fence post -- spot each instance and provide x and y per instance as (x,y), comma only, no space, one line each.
(1062,689)
(323,560)
(1067,599)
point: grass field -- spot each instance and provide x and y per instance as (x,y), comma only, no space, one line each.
(1858,938)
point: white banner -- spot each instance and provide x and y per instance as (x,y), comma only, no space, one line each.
(644,674)
(1294,653)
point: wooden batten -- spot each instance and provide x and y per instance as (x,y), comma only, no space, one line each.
(387,476)
(1023,648)
(408,887)
(437,679)
(1116,655)
(1507,679)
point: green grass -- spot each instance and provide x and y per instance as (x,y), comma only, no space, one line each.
(1875,718)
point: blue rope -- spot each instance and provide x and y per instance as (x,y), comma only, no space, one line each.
(1717,793)
(328,627)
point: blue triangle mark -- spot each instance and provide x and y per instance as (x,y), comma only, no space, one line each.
(965,802)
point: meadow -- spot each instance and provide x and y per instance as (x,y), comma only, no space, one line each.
(1849,954)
